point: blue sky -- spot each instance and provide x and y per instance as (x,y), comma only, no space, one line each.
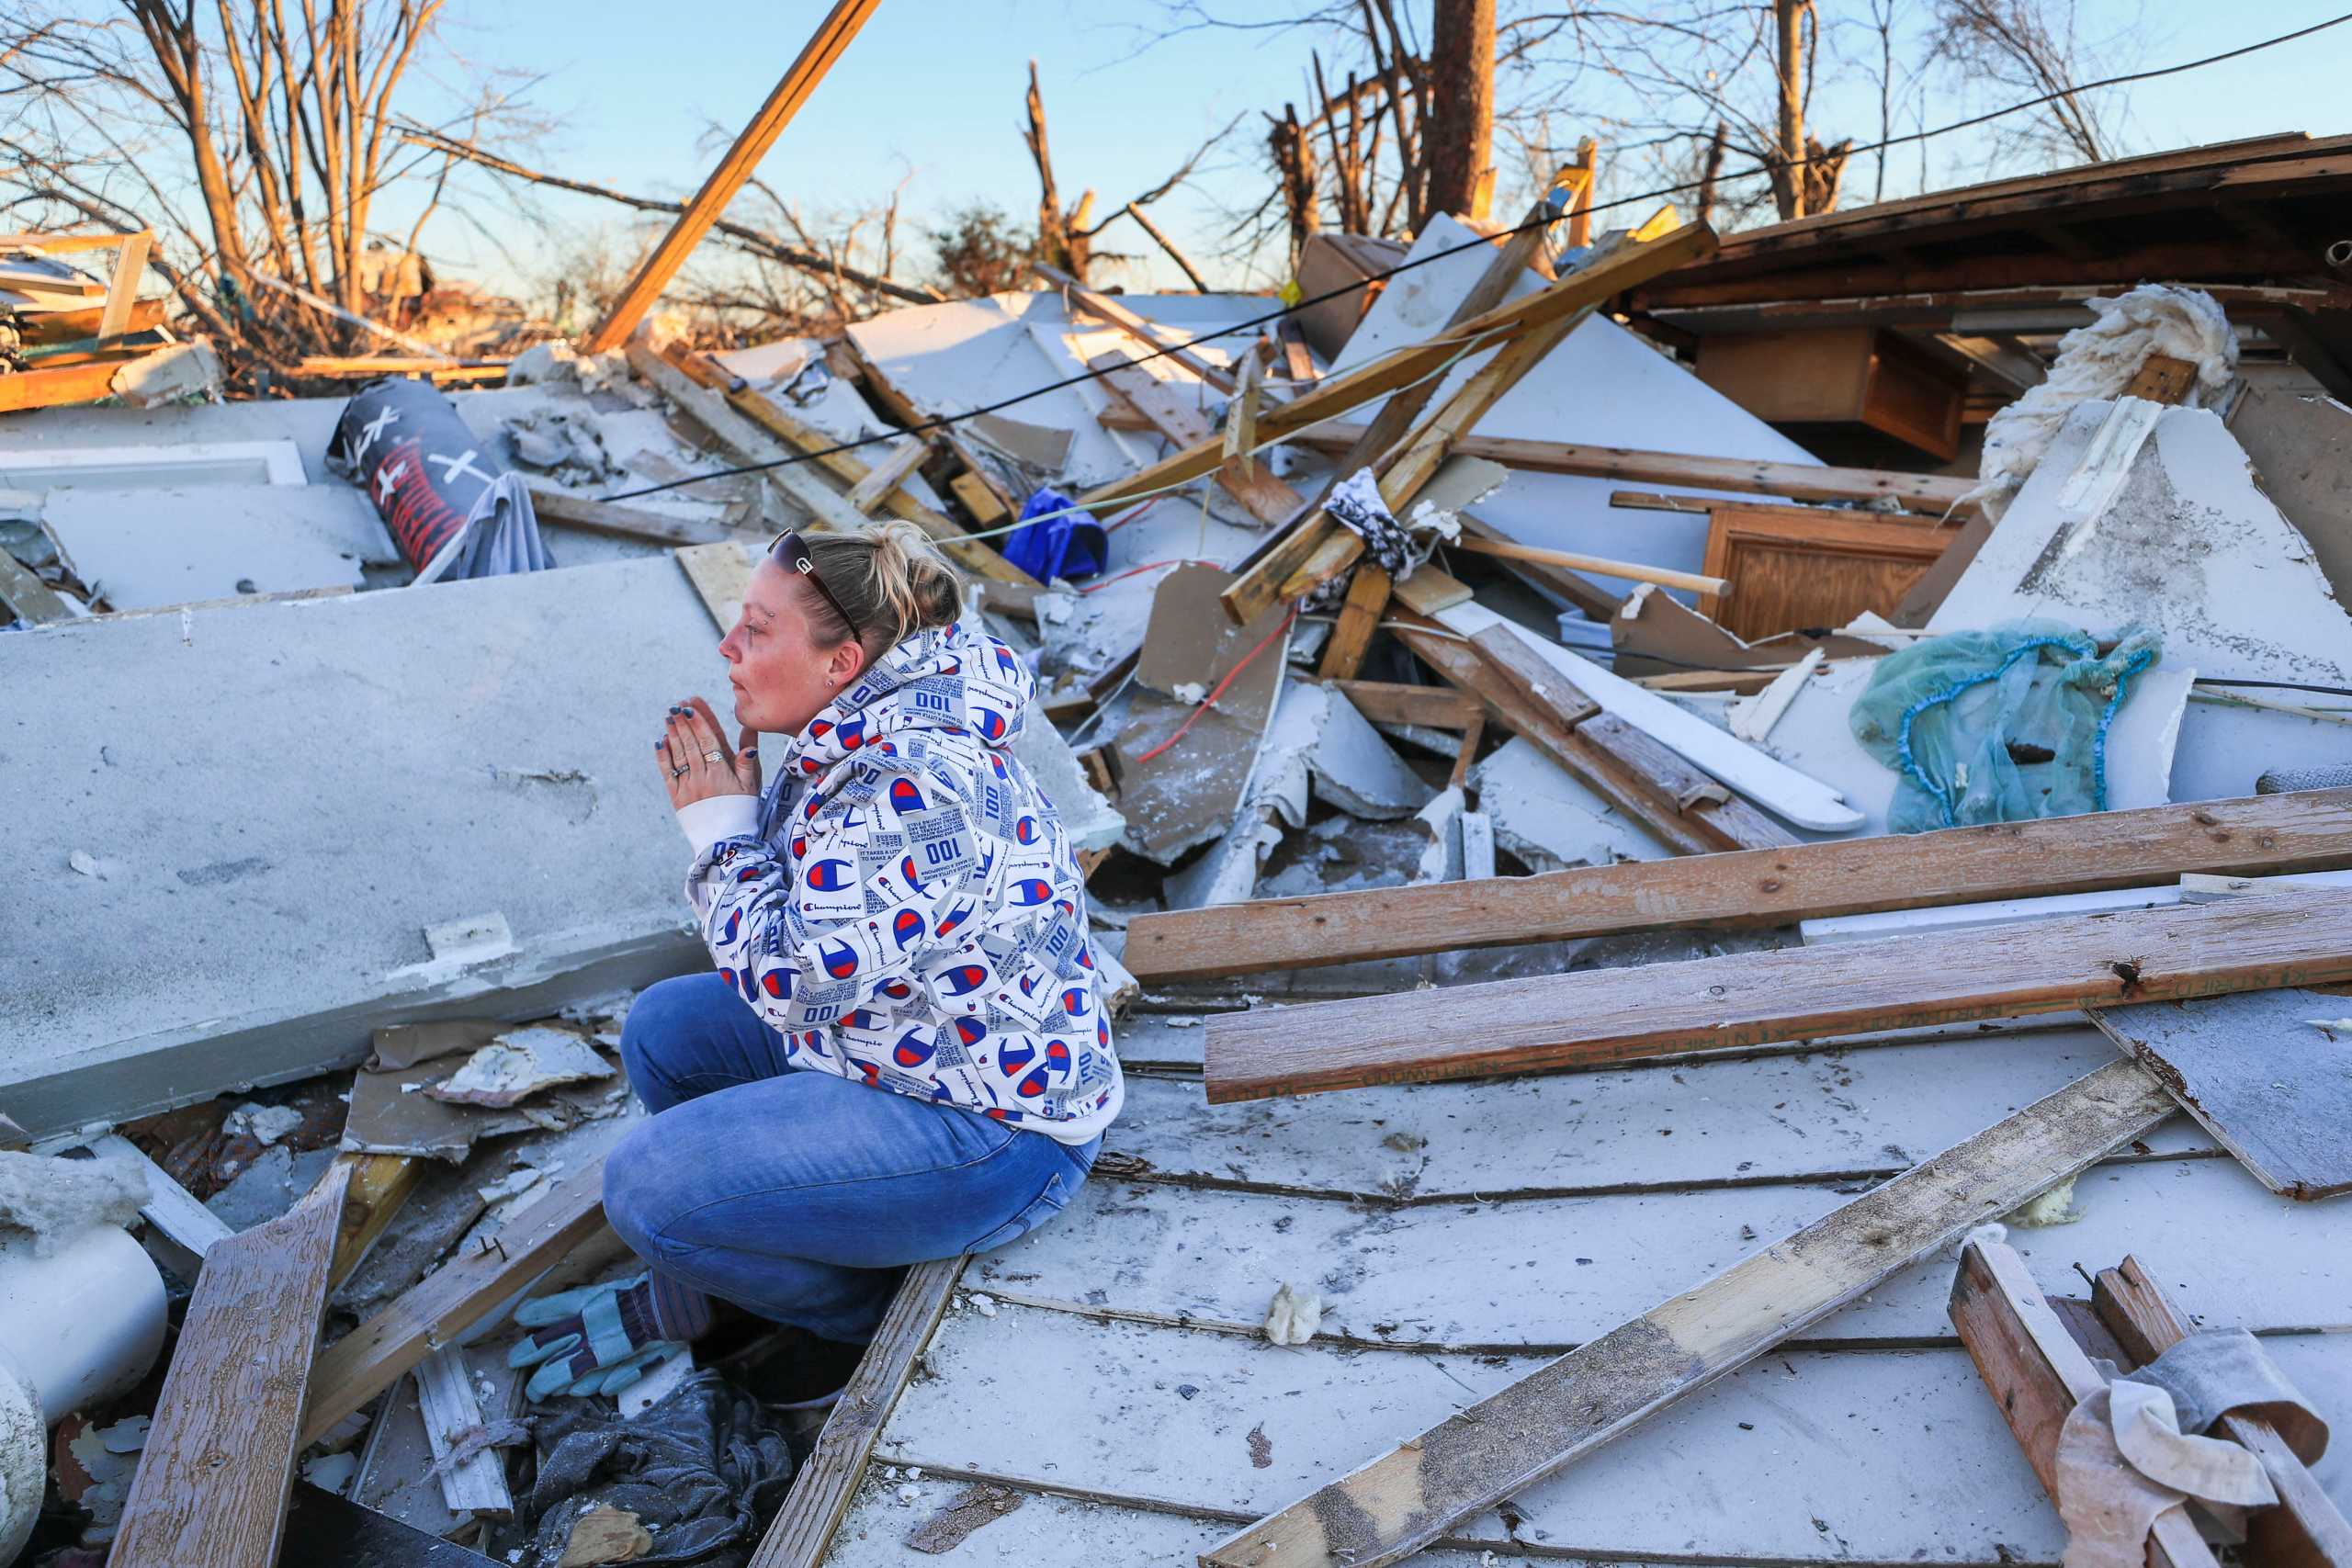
(933,91)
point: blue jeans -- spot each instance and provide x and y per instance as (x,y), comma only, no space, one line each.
(798,1195)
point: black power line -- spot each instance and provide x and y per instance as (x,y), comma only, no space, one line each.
(946,420)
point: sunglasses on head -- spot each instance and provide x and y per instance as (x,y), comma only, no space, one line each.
(794,555)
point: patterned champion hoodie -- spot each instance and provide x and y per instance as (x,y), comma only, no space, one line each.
(903,904)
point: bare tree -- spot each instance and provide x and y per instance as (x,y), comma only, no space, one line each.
(1066,237)
(254,141)
(2026,48)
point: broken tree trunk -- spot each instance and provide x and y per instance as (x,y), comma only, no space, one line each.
(2293,937)
(2258,836)
(1407,1498)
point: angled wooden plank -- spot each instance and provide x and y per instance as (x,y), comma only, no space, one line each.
(1338,394)
(619,522)
(211,1482)
(720,573)
(1166,410)
(2259,835)
(975,555)
(2306,1529)
(2255,1071)
(816,58)
(122,291)
(1932,494)
(2291,937)
(743,442)
(1389,702)
(1407,1498)
(451,1298)
(803,1529)
(2036,1373)
(903,458)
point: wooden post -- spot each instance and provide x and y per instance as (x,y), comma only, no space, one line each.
(123,290)
(831,37)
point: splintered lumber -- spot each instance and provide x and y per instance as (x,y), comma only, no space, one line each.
(851,470)
(1337,394)
(619,522)
(833,36)
(743,441)
(1169,413)
(2293,937)
(1932,494)
(1683,808)
(451,1298)
(803,1529)
(905,455)
(2037,1374)
(1318,548)
(2306,1529)
(1104,308)
(1386,702)
(2260,1074)
(1632,571)
(212,1478)
(1408,1497)
(2256,836)
(379,1185)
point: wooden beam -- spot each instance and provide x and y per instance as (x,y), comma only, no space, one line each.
(1359,618)
(51,389)
(1384,701)
(2037,1374)
(1681,807)
(212,1478)
(803,1529)
(1104,308)
(905,455)
(1931,493)
(817,58)
(620,522)
(1337,394)
(2256,836)
(1163,406)
(1634,572)
(744,441)
(974,556)
(1501,1446)
(2291,937)
(2306,1529)
(451,1298)
(379,1185)
(123,290)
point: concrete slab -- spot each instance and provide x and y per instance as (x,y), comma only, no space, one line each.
(274,800)
(146,547)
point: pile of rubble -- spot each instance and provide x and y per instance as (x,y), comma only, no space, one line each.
(1369,682)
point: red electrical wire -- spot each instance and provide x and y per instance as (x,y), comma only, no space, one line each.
(1148,566)
(1210,701)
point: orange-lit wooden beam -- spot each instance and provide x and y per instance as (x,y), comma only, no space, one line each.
(831,37)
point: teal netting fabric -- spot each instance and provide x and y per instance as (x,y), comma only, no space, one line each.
(2001,725)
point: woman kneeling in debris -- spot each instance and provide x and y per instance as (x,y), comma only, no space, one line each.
(899,913)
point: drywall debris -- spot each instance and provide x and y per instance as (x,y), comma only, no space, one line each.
(1293,1318)
(519,1064)
(265,1125)
(268,1186)
(1547,819)
(45,1201)
(330,1472)
(2097,362)
(182,370)
(86,864)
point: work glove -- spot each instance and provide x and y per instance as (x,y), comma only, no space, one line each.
(591,1339)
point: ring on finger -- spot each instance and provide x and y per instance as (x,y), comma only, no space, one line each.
(678,773)
(711,756)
